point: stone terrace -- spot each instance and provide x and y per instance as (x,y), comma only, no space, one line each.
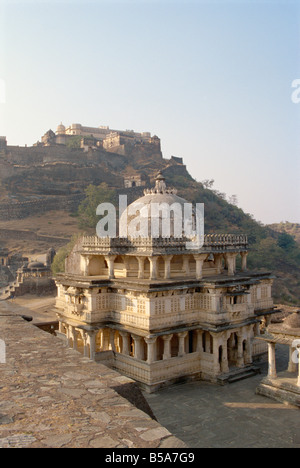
(50,396)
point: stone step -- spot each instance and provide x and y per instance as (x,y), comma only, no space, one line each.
(236,375)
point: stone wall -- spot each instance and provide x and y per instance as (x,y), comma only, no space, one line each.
(19,210)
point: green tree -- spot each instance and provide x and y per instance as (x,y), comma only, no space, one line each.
(286,241)
(94,196)
(58,265)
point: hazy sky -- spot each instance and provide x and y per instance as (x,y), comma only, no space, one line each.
(213,79)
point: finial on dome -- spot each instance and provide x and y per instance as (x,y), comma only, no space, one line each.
(160,184)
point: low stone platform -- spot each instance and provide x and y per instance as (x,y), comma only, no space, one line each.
(284,388)
(51,396)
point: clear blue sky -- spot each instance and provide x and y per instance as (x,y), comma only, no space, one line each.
(211,78)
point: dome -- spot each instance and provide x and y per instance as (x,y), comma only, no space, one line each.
(293,320)
(146,219)
(61,129)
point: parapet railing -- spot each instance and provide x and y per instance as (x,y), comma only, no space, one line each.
(213,241)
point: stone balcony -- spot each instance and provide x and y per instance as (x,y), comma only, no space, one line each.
(151,246)
(157,321)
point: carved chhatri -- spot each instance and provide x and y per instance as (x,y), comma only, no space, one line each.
(159,312)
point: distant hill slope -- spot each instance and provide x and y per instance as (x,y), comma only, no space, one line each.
(293,229)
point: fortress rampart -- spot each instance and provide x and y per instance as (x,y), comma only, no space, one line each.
(24,209)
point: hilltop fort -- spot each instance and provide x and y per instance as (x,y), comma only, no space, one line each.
(56,170)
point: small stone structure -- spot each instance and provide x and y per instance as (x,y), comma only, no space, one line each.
(284,386)
(134,181)
(4,256)
(32,278)
(159,312)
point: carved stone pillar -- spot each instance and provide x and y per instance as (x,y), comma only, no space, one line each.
(216,346)
(200,259)
(73,333)
(153,267)
(141,273)
(200,341)
(248,353)
(224,361)
(110,262)
(83,335)
(186,265)
(272,361)
(167,346)
(138,347)
(218,262)
(167,259)
(240,353)
(91,341)
(69,336)
(181,347)
(151,349)
(125,343)
(244,260)
(60,327)
(230,259)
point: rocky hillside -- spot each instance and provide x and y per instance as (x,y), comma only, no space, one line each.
(293,229)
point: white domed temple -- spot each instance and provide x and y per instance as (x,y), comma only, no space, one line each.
(160,312)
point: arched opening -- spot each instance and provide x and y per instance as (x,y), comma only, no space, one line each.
(147,268)
(220,354)
(120,269)
(98,266)
(192,343)
(132,267)
(176,266)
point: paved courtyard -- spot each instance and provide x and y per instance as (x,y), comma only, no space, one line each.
(211,416)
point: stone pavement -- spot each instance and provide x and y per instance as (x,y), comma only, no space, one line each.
(231,416)
(41,309)
(51,396)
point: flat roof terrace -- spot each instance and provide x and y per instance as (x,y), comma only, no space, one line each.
(51,396)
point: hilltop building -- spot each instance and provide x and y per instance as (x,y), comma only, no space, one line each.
(159,312)
(3,143)
(116,141)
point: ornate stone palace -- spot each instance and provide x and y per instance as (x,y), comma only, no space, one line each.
(159,312)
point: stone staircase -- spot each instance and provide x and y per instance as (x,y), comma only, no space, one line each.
(235,375)
(7,291)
